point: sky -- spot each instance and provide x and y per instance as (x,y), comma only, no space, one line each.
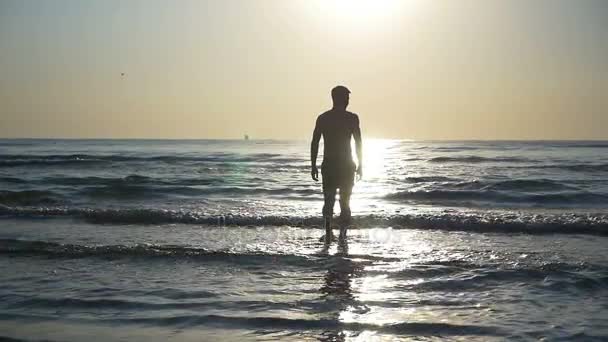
(417,69)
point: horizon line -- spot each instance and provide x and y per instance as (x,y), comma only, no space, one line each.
(302,139)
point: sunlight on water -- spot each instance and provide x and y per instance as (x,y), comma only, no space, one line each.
(359,282)
(375,158)
(376,166)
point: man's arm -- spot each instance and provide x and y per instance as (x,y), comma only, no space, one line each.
(358,147)
(314,151)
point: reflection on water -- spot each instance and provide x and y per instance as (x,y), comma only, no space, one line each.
(352,282)
(338,294)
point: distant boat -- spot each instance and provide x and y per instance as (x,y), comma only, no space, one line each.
(246,137)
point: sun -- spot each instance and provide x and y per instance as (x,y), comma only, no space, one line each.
(361,10)
(361,15)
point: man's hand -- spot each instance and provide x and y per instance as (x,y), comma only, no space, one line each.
(314,172)
(359,172)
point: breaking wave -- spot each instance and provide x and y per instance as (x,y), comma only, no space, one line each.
(504,199)
(499,222)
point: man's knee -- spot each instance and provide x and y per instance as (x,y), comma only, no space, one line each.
(345,195)
(330,200)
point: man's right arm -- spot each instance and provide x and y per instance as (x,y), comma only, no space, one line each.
(314,151)
(358,147)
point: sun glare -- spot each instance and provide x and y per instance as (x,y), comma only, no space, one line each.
(363,9)
(374,154)
(361,13)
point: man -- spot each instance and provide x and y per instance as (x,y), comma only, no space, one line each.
(337,125)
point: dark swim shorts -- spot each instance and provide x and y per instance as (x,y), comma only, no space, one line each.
(338,176)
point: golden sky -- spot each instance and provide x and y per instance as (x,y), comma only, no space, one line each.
(417,69)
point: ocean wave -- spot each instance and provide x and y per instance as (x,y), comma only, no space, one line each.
(29,198)
(243,258)
(490,187)
(130,179)
(14,142)
(134,179)
(455,148)
(110,303)
(462,274)
(498,222)
(494,266)
(278,323)
(527,185)
(579,144)
(604,145)
(478,159)
(131,191)
(512,187)
(29,247)
(13,180)
(13,160)
(545,278)
(499,198)
(54,162)
(18,247)
(140,188)
(10,339)
(126,191)
(427,179)
(576,167)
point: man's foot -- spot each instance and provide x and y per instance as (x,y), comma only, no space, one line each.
(328,239)
(329,234)
(343,233)
(342,246)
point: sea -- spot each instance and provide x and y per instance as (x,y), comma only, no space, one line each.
(218,240)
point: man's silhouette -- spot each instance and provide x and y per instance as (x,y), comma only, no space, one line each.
(337,125)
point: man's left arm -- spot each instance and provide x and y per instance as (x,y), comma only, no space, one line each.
(314,150)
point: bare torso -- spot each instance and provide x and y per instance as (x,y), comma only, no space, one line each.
(337,128)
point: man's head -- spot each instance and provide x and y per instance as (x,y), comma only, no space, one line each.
(340,96)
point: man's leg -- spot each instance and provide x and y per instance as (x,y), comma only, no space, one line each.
(329,195)
(345,214)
